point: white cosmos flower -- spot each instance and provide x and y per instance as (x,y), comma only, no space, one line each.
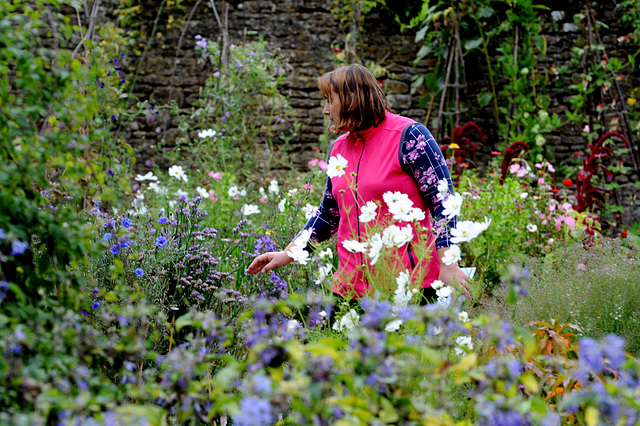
(209,133)
(161,190)
(452,205)
(354,246)
(323,272)
(281,205)
(375,246)
(394,236)
(243,192)
(416,214)
(178,173)
(336,166)
(326,254)
(308,211)
(303,238)
(482,226)
(402,295)
(348,321)
(437,284)
(273,187)
(532,228)
(393,325)
(394,197)
(249,209)
(464,231)
(298,254)
(444,292)
(233,191)
(148,176)
(368,212)
(464,343)
(202,192)
(401,209)
(292,325)
(463,316)
(452,255)
(443,188)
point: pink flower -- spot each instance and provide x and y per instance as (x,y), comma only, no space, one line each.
(539,165)
(313,162)
(571,222)
(322,165)
(542,215)
(552,207)
(550,167)
(566,206)
(582,267)
(514,168)
(544,222)
(540,181)
(212,195)
(262,200)
(521,172)
(559,223)
(309,187)
(215,175)
(586,129)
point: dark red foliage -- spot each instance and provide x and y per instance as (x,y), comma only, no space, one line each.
(509,154)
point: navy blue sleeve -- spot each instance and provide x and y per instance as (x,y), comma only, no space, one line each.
(421,158)
(325,219)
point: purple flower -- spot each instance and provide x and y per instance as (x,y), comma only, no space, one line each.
(18,247)
(107,236)
(115,249)
(202,43)
(262,384)
(161,241)
(163,220)
(102,85)
(139,272)
(95,305)
(253,412)
(126,222)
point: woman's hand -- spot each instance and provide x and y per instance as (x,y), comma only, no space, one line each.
(268,261)
(452,275)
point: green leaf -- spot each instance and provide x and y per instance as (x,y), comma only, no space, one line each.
(484,99)
(472,44)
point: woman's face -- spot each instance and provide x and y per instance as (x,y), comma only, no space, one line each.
(332,109)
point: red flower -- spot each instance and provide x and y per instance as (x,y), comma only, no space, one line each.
(624,234)
(568,183)
(336,49)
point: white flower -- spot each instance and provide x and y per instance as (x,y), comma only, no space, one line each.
(452,255)
(148,176)
(273,187)
(394,197)
(337,166)
(233,191)
(368,212)
(281,205)
(532,228)
(292,325)
(140,196)
(178,173)
(443,188)
(354,246)
(209,133)
(161,190)
(464,343)
(348,321)
(323,272)
(243,192)
(444,292)
(304,237)
(393,325)
(482,226)
(437,284)
(401,209)
(375,246)
(403,294)
(308,211)
(202,192)
(292,192)
(524,195)
(452,205)
(249,209)
(464,231)
(298,254)
(394,236)
(181,192)
(463,316)
(322,314)
(416,214)
(262,192)
(326,254)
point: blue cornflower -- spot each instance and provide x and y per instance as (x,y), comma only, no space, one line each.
(163,220)
(161,241)
(18,247)
(95,305)
(115,249)
(124,244)
(139,272)
(2,234)
(254,411)
(126,222)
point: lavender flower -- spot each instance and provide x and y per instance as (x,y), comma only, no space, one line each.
(18,247)
(254,412)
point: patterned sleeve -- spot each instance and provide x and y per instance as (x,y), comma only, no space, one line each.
(421,158)
(325,219)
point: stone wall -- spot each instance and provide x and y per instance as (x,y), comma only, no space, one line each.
(303,32)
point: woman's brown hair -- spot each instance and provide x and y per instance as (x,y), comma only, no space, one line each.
(363,101)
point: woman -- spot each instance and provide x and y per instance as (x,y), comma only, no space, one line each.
(384,153)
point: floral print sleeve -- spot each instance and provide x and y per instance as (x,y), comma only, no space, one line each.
(421,158)
(325,219)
